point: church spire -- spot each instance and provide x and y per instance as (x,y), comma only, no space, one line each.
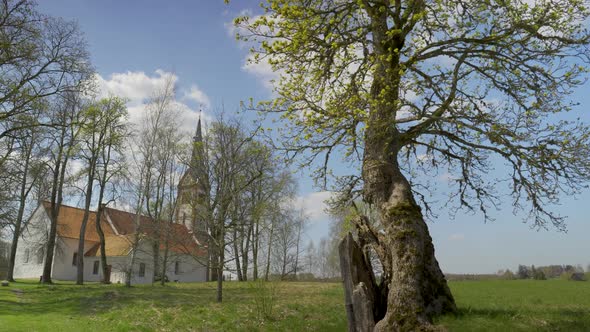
(198,135)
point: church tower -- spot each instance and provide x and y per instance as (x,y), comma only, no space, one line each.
(191,192)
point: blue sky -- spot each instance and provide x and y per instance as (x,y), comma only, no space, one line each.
(134,44)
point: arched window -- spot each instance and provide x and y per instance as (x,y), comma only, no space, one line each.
(40,255)
(177,267)
(142,269)
(95,267)
(26,256)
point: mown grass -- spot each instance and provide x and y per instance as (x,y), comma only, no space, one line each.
(520,305)
(491,305)
(28,306)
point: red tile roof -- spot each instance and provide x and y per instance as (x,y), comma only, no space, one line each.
(69,222)
(180,239)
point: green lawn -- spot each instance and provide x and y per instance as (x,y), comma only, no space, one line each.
(520,305)
(553,305)
(27,306)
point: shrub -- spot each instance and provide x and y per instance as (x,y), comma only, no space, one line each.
(573,276)
(508,275)
(265,297)
(305,277)
(539,275)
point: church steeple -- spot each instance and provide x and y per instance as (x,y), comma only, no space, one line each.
(198,135)
(190,189)
(198,138)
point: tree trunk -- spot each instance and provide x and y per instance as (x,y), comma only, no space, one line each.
(24,192)
(103,256)
(156,258)
(255,243)
(14,244)
(213,255)
(221,258)
(417,287)
(129,272)
(299,226)
(164,263)
(88,200)
(237,256)
(56,199)
(245,250)
(269,249)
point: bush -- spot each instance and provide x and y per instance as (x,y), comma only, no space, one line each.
(265,297)
(573,276)
(508,275)
(539,275)
(305,277)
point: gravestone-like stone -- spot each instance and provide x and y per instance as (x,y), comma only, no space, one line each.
(5,283)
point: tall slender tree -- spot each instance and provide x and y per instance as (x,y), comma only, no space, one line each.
(101,134)
(29,169)
(63,142)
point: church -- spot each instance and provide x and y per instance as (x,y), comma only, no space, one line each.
(129,240)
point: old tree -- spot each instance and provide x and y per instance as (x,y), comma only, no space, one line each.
(410,87)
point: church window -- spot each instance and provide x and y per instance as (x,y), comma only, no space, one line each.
(95,267)
(177,267)
(142,269)
(40,254)
(26,256)
(75,259)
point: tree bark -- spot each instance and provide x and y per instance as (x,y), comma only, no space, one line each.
(417,288)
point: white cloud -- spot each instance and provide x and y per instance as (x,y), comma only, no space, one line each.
(137,87)
(457,237)
(262,70)
(314,205)
(197,95)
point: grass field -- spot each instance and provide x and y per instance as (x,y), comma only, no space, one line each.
(527,305)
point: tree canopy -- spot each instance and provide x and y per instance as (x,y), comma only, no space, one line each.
(466,84)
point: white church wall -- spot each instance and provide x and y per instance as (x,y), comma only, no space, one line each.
(63,263)
(30,254)
(190,269)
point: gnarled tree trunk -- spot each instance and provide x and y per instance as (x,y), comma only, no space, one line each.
(417,287)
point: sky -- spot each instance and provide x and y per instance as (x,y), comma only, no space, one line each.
(136,45)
